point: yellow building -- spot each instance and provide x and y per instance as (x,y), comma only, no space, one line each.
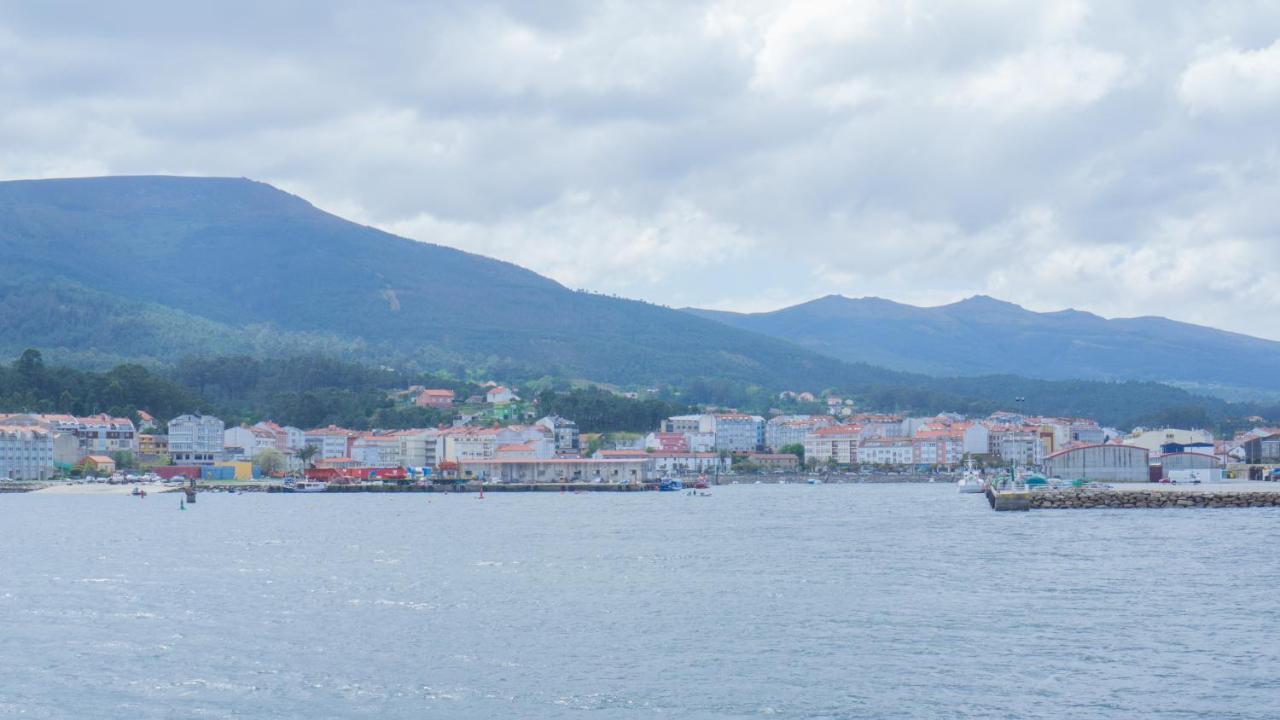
(243,468)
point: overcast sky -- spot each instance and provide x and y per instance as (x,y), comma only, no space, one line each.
(1122,158)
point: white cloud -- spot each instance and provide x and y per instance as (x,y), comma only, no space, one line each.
(1118,157)
(1041,79)
(1224,79)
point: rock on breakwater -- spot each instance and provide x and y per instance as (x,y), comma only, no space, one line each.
(1152,498)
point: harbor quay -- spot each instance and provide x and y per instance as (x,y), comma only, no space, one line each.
(1218,495)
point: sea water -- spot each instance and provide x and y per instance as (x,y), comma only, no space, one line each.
(796,601)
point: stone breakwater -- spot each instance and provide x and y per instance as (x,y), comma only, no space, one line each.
(1084,498)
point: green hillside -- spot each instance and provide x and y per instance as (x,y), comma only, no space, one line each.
(160,267)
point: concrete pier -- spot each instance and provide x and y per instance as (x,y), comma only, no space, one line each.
(1018,499)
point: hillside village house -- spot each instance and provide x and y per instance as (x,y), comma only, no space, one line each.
(499,396)
(434,398)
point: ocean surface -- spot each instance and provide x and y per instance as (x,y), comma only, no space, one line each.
(853,601)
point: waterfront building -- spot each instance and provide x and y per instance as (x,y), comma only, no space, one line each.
(833,444)
(376,450)
(469,443)
(887,451)
(1018,445)
(196,439)
(330,442)
(103,434)
(773,461)
(1262,450)
(786,430)
(663,462)
(938,447)
(565,433)
(539,438)
(1172,462)
(558,470)
(418,448)
(288,439)
(246,442)
(737,432)
(1104,463)
(98,464)
(666,442)
(26,453)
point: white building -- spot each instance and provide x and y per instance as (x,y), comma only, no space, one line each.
(1017,446)
(835,443)
(103,434)
(380,450)
(26,453)
(289,439)
(499,396)
(419,448)
(792,429)
(565,433)
(736,432)
(1154,440)
(246,442)
(196,439)
(331,442)
(887,451)
(977,439)
(469,443)
(1105,463)
(540,439)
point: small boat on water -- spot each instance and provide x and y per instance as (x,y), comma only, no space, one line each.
(310,486)
(971,481)
(670,485)
(814,481)
(702,484)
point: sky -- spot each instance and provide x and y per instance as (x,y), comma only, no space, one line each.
(1116,157)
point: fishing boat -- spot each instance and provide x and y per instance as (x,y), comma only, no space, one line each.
(971,481)
(670,485)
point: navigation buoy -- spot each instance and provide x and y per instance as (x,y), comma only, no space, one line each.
(182,504)
(481,492)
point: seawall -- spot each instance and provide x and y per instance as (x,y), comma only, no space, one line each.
(1152,498)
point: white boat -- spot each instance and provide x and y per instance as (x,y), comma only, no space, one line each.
(309,486)
(971,481)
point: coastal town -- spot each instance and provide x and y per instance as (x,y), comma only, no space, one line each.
(480,446)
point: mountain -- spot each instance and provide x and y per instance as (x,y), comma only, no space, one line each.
(982,335)
(100,270)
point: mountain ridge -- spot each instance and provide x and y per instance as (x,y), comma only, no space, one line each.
(240,254)
(983,335)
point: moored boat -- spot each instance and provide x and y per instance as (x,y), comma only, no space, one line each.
(670,485)
(971,481)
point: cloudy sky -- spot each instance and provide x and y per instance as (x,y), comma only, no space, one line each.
(1117,157)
